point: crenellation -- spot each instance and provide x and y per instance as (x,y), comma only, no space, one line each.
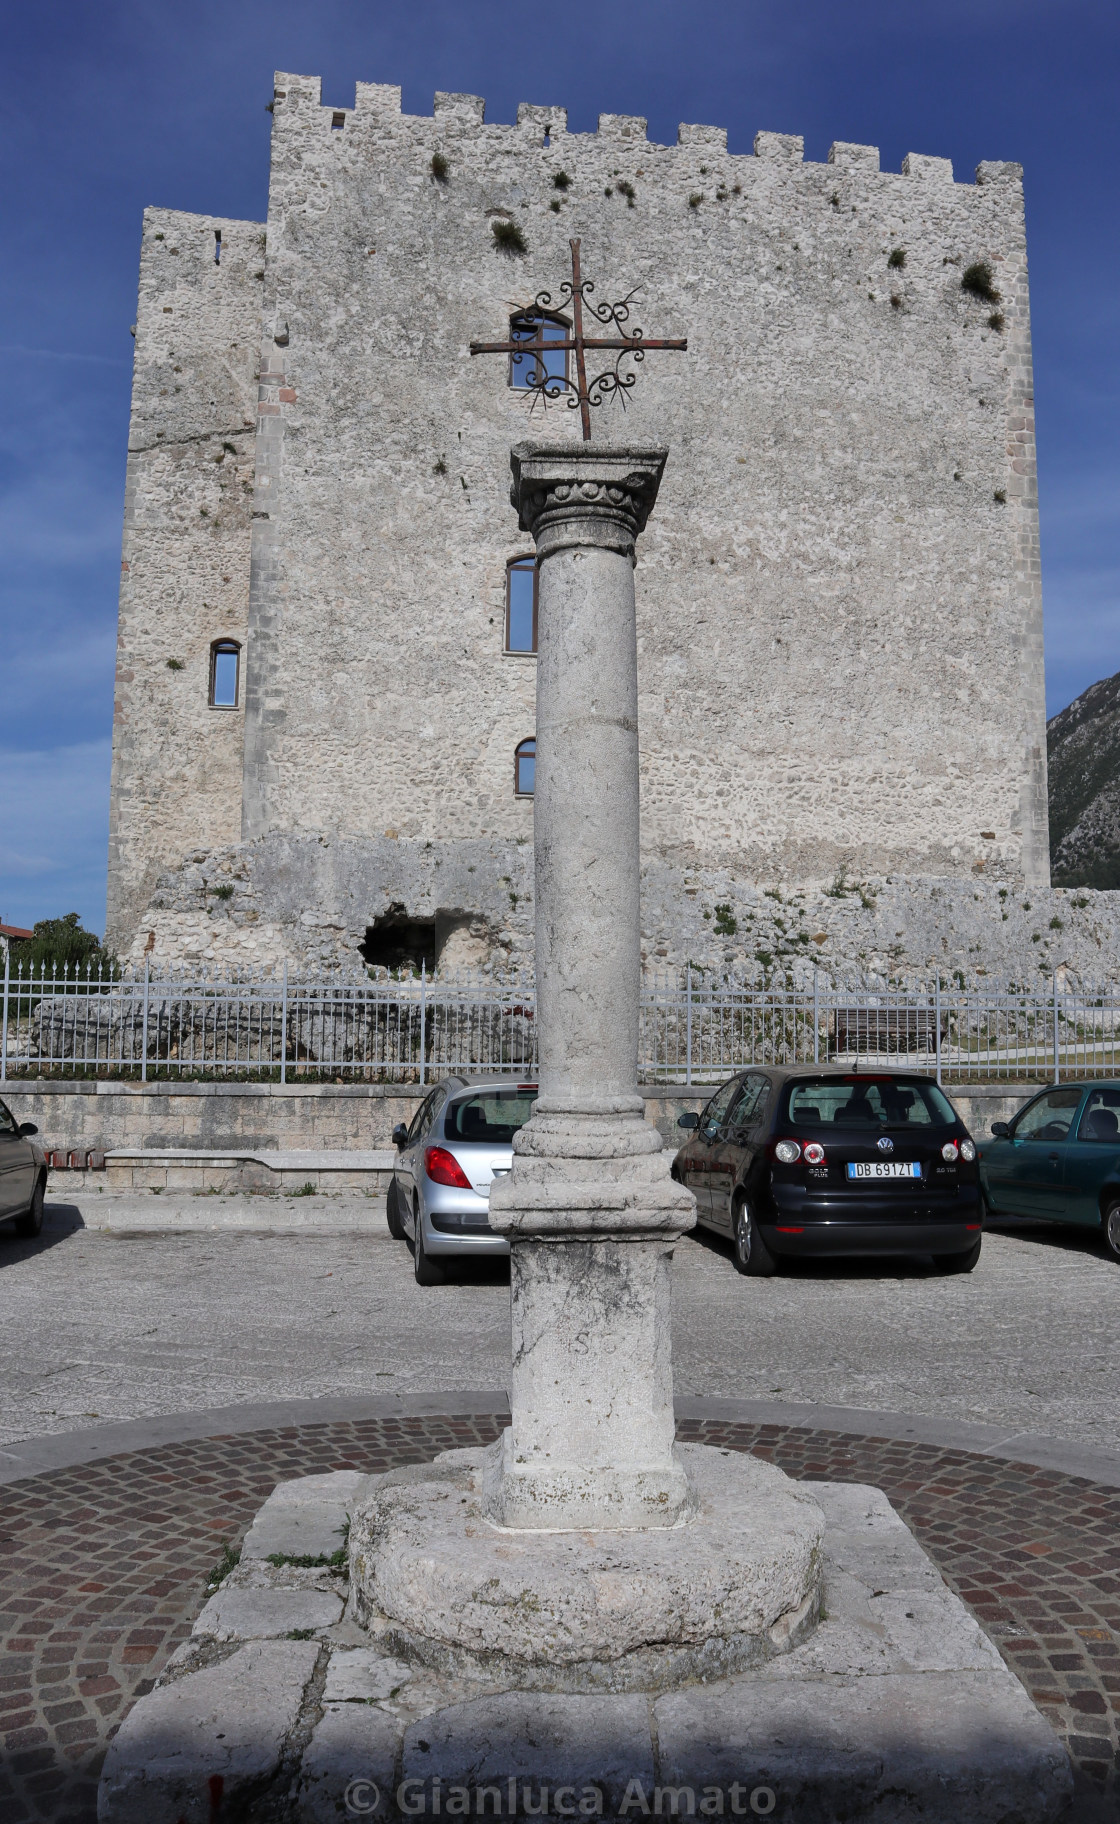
(852,157)
(715,137)
(469,110)
(780,148)
(931,170)
(550,122)
(622,126)
(998,171)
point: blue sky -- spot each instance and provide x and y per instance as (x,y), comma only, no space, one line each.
(113,106)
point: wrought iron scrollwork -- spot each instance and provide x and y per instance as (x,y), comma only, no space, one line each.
(578,391)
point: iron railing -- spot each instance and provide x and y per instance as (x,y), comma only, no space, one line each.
(697,1026)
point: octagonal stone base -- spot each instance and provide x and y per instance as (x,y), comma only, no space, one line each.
(735,1584)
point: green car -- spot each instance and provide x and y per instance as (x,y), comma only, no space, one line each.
(1058,1160)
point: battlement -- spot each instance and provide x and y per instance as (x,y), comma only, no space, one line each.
(298,100)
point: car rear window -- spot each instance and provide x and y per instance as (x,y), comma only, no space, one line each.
(867,1101)
(491,1116)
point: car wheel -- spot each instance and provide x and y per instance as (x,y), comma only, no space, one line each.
(32,1222)
(958,1263)
(393,1213)
(428,1272)
(1110,1227)
(749,1251)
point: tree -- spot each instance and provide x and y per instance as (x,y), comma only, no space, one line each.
(61,943)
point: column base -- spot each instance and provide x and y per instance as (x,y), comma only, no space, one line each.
(560,1497)
(603,1610)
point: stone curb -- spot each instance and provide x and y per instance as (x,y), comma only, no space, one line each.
(64,1450)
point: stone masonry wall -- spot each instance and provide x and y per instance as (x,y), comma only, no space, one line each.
(838,619)
(840,659)
(217,1117)
(185,558)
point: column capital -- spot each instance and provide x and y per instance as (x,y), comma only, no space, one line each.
(569,494)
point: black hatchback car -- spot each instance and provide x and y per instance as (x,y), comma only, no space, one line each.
(830,1161)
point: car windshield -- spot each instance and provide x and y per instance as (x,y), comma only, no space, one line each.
(491,1116)
(867,1101)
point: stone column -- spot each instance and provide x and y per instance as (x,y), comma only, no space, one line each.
(589,1207)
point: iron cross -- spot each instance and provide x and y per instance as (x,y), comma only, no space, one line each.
(537,347)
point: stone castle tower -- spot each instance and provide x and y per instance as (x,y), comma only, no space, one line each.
(322,702)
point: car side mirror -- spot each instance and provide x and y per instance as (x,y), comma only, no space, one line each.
(688,1120)
(1001,1130)
(400,1136)
(26,1129)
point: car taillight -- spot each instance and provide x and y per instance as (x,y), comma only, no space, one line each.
(787,1152)
(968,1150)
(442,1167)
(814,1153)
(949,1152)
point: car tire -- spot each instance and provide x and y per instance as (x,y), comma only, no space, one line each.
(1110,1230)
(959,1263)
(428,1272)
(393,1213)
(748,1250)
(31,1223)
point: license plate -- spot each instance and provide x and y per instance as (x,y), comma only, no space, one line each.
(884,1168)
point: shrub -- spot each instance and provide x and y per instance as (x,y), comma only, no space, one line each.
(441,169)
(977,279)
(508,237)
(561,181)
(726,923)
(996,320)
(628,191)
(898,257)
(174,664)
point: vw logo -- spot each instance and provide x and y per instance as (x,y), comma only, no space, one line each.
(885,1145)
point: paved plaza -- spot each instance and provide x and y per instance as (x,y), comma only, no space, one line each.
(99,1329)
(104,1562)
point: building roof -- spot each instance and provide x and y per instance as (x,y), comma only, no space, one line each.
(14,931)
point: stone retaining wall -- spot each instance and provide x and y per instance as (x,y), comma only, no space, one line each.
(229,1117)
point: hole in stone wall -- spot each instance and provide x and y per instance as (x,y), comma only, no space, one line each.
(337,120)
(399,942)
(217,246)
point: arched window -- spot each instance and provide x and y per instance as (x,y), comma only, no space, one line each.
(521,604)
(225,674)
(524,767)
(536,331)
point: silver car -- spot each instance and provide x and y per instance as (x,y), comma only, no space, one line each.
(23,1174)
(459,1140)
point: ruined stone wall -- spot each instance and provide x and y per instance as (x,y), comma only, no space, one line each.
(177,764)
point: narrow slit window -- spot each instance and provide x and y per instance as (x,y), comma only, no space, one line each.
(337,121)
(525,768)
(521,605)
(217,246)
(225,674)
(541,363)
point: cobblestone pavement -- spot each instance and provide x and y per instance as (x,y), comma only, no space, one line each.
(102,1569)
(97,1328)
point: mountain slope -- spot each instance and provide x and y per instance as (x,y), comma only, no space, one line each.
(1083,744)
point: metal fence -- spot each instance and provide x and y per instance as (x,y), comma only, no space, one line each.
(697,1026)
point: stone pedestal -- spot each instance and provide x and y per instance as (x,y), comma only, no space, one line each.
(589,1207)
